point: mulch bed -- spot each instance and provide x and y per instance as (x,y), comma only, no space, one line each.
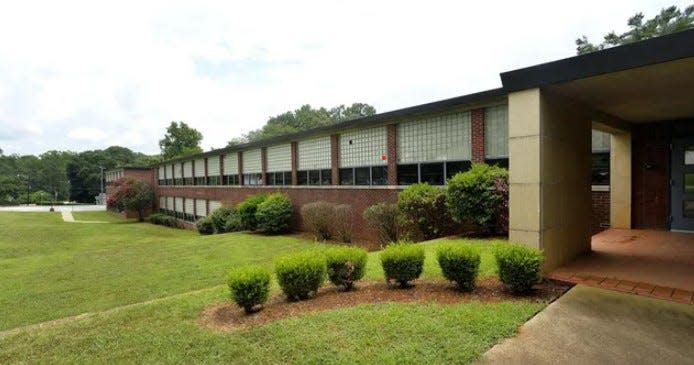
(227,316)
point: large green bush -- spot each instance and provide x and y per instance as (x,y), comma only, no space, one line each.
(219,218)
(459,263)
(164,220)
(520,267)
(249,286)
(424,206)
(384,218)
(319,217)
(472,196)
(300,274)
(274,215)
(205,225)
(345,265)
(402,262)
(233,223)
(344,218)
(247,209)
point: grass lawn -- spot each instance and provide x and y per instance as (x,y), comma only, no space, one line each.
(50,269)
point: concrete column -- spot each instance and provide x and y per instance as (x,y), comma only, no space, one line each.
(549,155)
(620,180)
(392,148)
(477,134)
(335,158)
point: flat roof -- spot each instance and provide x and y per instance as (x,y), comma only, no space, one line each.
(651,51)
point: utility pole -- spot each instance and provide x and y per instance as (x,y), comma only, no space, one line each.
(102,179)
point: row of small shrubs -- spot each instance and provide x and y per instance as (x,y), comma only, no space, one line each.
(327,220)
(164,220)
(267,213)
(477,197)
(301,274)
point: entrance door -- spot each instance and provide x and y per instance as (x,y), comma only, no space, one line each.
(682,185)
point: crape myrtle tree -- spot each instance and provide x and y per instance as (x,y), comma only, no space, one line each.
(131,194)
(669,20)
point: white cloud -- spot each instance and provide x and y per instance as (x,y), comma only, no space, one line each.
(119,72)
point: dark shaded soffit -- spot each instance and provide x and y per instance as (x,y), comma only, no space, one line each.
(661,49)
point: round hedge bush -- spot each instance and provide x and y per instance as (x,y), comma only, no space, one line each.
(300,274)
(219,218)
(345,265)
(249,286)
(402,262)
(520,267)
(274,215)
(246,211)
(205,225)
(459,264)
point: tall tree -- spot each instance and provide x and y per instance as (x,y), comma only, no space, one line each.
(305,117)
(670,20)
(180,140)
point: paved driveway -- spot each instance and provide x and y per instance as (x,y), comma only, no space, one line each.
(596,326)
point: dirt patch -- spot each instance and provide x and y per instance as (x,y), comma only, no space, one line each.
(227,316)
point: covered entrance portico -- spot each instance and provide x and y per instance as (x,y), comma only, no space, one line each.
(642,94)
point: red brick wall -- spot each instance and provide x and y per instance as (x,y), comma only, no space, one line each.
(601,211)
(359,199)
(477,134)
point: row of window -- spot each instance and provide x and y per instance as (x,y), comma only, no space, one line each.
(180,215)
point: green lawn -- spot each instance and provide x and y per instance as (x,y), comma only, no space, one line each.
(50,270)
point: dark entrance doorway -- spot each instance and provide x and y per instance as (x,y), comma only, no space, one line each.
(682,185)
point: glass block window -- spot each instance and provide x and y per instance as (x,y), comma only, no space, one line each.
(231,163)
(162,203)
(600,141)
(200,207)
(200,167)
(438,138)
(363,147)
(178,204)
(162,173)
(251,161)
(496,131)
(213,166)
(170,203)
(188,169)
(177,171)
(314,154)
(279,158)
(189,206)
(214,205)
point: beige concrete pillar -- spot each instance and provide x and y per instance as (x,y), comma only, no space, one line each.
(620,180)
(549,155)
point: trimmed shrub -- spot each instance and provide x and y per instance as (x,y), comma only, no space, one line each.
(519,266)
(459,264)
(300,274)
(164,220)
(249,286)
(424,206)
(402,262)
(233,223)
(345,265)
(383,217)
(318,217)
(205,225)
(247,209)
(501,190)
(471,196)
(344,218)
(219,218)
(274,215)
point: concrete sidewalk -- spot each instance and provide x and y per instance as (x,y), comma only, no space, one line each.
(596,326)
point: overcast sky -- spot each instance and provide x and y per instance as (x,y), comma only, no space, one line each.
(79,76)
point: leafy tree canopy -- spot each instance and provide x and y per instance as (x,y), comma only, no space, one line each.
(670,20)
(180,140)
(304,118)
